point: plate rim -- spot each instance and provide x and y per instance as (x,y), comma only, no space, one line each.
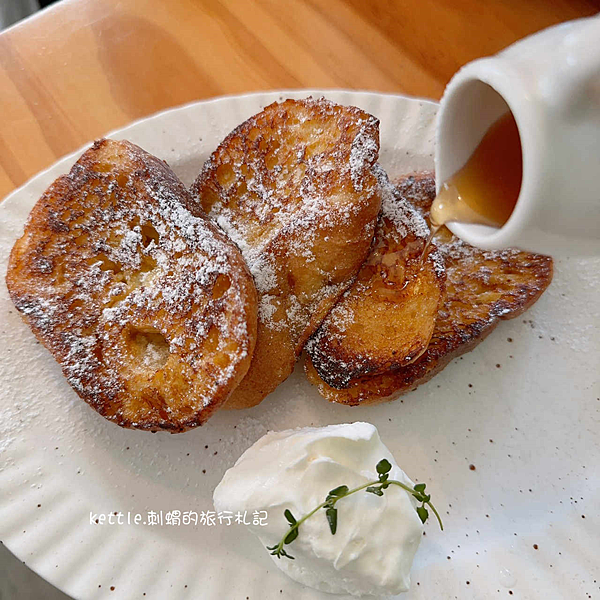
(211,100)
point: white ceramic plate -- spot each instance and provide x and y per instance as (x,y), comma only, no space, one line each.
(523,408)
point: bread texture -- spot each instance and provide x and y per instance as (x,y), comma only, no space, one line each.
(293,186)
(150,311)
(482,288)
(386,318)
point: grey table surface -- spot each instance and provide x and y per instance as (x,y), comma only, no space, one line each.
(18,582)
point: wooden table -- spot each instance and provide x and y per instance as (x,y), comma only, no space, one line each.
(84,67)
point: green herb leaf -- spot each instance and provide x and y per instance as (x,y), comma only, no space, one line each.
(291,536)
(423,513)
(289,516)
(332,519)
(373,487)
(339,491)
(383,466)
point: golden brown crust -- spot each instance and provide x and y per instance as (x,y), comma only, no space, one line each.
(150,311)
(386,318)
(293,187)
(482,288)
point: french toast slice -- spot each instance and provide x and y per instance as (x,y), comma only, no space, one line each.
(386,318)
(482,288)
(149,310)
(294,188)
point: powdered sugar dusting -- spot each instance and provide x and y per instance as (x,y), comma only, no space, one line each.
(266,312)
(293,188)
(363,153)
(134,279)
(288,190)
(260,265)
(401,232)
(395,207)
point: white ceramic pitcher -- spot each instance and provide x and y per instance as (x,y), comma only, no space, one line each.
(550,81)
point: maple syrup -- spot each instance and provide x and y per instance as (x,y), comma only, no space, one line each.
(486,189)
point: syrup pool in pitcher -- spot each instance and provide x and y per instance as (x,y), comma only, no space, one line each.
(486,189)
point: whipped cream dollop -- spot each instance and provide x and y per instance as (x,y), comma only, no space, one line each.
(377,536)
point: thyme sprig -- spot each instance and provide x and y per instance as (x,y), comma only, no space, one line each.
(334,496)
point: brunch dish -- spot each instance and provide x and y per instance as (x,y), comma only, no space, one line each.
(278,263)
